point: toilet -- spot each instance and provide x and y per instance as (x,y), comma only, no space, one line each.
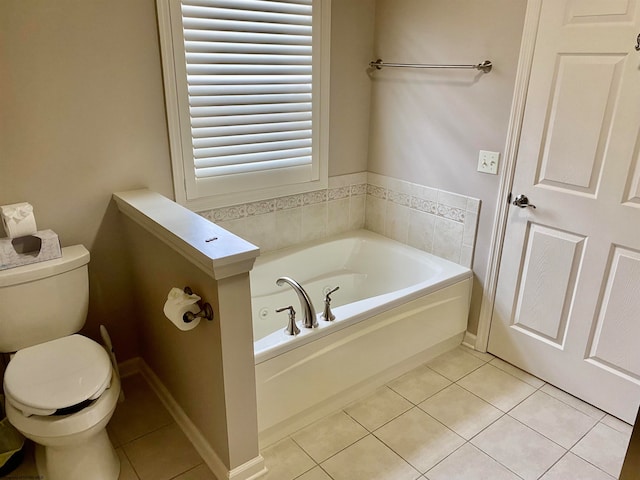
(60,387)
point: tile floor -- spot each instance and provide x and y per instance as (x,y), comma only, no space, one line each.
(150,444)
(463,416)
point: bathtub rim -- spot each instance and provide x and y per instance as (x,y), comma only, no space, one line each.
(276,343)
(327,328)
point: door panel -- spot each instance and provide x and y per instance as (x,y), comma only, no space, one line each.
(583,98)
(547,289)
(600,11)
(567,303)
(632,194)
(618,316)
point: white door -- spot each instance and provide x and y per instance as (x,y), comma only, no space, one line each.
(568,296)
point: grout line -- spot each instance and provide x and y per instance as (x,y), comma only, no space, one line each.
(604,414)
(192,468)
(555,463)
(391,448)
(130,462)
(539,433)
(582,458)
(154,430)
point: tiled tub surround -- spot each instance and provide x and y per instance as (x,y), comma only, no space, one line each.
(284,221)
(432,220)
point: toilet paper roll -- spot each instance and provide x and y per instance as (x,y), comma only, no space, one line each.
(178,303)
(18,220)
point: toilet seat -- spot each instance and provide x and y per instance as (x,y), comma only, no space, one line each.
(55,375)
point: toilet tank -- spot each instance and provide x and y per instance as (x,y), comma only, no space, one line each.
(44,301)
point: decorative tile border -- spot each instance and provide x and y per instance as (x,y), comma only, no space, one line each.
(377,192)
(422,205)
(236,212)
(359,189)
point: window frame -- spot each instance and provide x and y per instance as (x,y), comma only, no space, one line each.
(179,126)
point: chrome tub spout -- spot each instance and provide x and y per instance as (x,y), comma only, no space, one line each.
(309,320)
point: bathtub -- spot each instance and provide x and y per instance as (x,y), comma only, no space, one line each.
(396,308)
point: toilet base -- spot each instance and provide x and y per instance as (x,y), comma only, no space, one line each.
(93,459)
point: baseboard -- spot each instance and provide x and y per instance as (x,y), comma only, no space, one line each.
(251,470)
(469,340)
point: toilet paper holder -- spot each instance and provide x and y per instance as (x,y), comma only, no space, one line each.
(205,310)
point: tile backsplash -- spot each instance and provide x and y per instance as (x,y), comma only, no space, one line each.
(436,221)
(285,221)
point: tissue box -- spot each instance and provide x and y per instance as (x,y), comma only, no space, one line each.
(39,247)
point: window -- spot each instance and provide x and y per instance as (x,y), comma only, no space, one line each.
(246,87)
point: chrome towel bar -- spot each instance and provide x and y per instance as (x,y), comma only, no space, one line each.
(485,66)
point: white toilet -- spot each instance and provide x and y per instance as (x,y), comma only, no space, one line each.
(60,387)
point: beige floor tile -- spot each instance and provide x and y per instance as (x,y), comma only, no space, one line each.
(369,459)
(455,364)
(500,389)
(315,474)
(461,411)
(285,460)
(419,384)
(379,408)
(535,382)
(571,466)
(201,472)
(126,470)
(569,399)
(419,439)
(604,447)
(519,448)
(162,454)
(554,419)
(140,413)
(469,463)
(328,436)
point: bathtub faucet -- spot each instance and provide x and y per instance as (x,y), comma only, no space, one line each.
(309,320)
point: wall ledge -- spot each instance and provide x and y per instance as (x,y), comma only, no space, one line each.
(210,247)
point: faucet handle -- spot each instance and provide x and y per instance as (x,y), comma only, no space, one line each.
(330,292)
(292,328)
(290,308)
(327,314)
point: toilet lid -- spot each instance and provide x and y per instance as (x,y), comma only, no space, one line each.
(57,374)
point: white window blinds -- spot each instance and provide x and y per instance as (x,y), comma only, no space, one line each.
(247,78)
(249,68)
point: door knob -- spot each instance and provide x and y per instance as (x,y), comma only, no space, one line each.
(638,43)
(522,201)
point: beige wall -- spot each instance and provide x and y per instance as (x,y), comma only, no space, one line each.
(82,116)
(427,126)
(352,36)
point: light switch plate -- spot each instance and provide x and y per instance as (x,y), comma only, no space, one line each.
(488,162)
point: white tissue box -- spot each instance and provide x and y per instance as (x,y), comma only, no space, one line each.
(39,247)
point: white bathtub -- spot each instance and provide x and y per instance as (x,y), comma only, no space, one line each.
(396,307)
